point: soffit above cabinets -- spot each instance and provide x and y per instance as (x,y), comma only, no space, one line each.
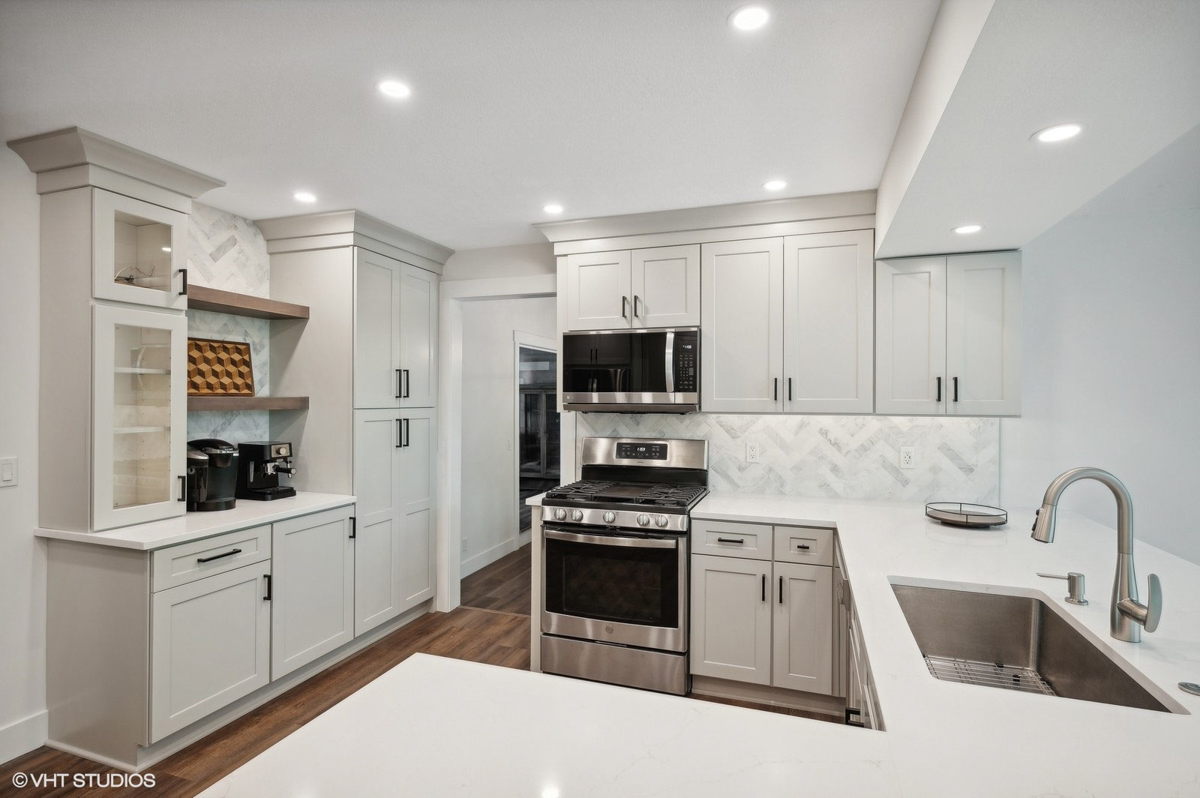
(1128,72)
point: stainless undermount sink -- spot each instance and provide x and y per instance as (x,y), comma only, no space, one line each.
(1017,642)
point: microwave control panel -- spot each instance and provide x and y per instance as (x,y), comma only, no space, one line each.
(687,367)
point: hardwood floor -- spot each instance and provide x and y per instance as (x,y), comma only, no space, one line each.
(491,637)
(502,586)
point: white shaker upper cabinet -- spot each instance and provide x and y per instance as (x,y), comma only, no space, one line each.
(139,252)
(983,334)
(828,318)
(910,336)
(742,330)
(418,336)
(377,376)
(666,286)
(599,291)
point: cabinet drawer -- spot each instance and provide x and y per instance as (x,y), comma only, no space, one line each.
(731,539)
(804,544)
(188,562)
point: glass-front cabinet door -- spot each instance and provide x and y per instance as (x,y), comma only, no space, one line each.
(139,422)
(138,252)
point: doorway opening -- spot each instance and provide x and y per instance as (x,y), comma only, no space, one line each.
(538,428)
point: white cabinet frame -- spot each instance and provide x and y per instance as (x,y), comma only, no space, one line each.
(666,286)
(910,336)
(983,334)
(105,207)
(599,292)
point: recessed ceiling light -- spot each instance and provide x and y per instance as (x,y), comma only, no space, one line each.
(749,18)
(550,792)
(394,88)
(967,229)
(304,196)
(166,249)
(775,185)
(1058,133)
(552,207)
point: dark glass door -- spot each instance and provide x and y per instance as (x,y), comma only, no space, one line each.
(626,584)
(615,363)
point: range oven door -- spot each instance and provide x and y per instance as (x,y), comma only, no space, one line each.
(615,588)
(632,371)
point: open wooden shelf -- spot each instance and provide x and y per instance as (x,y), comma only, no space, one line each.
(247,403)
(201,298)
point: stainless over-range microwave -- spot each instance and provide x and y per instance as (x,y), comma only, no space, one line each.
(632,371)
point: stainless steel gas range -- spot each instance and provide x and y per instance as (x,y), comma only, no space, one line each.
(615,563)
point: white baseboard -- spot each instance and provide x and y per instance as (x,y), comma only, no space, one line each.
(24,735)
(488,556)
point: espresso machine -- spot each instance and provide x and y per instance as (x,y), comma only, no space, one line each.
(212,469)
(259,465)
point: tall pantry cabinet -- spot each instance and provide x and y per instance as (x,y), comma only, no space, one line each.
(371,429)
(113,331)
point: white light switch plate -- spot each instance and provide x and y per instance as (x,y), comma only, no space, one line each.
(8,472)
(752,452)
(908,457)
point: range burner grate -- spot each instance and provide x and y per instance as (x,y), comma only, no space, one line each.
(655,495)
(988,674)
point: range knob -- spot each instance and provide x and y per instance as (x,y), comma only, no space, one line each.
(610,517)
(577,515)
(643,520)
(661,521)
(560,514)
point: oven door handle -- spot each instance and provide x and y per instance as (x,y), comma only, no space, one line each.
(610,540)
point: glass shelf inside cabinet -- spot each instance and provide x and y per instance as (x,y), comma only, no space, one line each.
(142,416)
(142,254)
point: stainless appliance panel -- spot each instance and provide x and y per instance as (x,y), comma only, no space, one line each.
(652,370)
(681,452)
(632,667)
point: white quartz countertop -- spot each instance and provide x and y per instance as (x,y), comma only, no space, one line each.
(194,526)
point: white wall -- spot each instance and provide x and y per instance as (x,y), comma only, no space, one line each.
(519,260)
(22,557)
(1111,370)
(489,501)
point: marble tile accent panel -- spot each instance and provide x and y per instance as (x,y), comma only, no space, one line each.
(849,457)
(227,252)
(233,426)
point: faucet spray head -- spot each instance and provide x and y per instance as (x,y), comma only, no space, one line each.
(1043,524)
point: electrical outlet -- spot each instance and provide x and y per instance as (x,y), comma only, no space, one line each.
(752,452)
(8,472)
(908,457)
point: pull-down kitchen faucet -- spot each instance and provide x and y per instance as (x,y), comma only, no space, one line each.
(1126,616)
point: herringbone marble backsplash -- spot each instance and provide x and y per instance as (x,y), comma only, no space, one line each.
(229,253)
(849,457)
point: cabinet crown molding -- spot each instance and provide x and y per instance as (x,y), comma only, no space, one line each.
(341,228)
(74,147)
(824,206)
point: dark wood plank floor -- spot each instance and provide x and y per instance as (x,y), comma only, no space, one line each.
(502,586)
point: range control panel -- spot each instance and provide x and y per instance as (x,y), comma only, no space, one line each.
(641,451)
(687,348)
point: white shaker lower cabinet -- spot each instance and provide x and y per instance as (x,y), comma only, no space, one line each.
(803,628)
(418,472)
(378,527)
(312,590)
(731,618)
(210,645)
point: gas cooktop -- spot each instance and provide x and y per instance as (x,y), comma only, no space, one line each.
(595,493)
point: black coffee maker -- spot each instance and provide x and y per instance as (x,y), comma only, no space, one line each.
(212,468)
(259,468)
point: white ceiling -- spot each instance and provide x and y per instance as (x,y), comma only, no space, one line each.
(1127,70)
(607,106)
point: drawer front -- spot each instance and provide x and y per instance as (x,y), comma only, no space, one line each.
(187,562)
(804,544)
(731,539)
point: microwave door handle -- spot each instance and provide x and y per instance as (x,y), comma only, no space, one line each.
(669,359)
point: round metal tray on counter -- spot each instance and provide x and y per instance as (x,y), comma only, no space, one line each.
(972,516)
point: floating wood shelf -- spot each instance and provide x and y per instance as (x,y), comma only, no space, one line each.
(247,403)
(201,298)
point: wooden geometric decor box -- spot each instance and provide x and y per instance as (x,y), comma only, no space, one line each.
(219,368)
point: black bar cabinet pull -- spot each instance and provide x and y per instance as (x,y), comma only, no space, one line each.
(956,389)
(939,379)
(781,590)
(624,307)
(183,274)
(407,431)
(635,305)
(775,391)
(764,587)
(789,389)
(267,595)
(738,541)
(399,383)
(850,711)
(182,488)
(399,433)
(407,384)
(219,556)
(353,527)
(803,546)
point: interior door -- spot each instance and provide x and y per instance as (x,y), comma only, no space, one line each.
(803,650)
(666,286)
(828,322)
(742,330)
(418,336)
(910,336)
(983,334)
(377,377)
(418,450)
(378,528)
(731,618)
(599,291)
